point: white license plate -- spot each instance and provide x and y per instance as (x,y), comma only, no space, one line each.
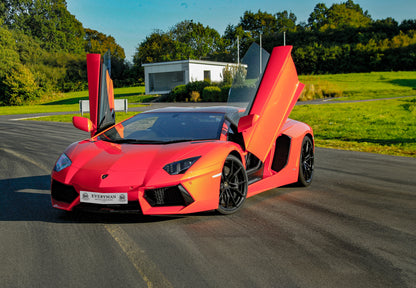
(103,198)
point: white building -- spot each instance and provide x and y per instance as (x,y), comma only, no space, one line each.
(162,77)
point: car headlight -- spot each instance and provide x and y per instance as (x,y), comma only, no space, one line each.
(62,163)
(180,167)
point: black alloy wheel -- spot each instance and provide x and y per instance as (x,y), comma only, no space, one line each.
(233,187)
(306,163)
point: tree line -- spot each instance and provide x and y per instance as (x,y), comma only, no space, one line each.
(342,38)
(43,46)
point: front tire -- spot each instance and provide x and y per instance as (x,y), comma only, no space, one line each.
(306,162)
(233,187)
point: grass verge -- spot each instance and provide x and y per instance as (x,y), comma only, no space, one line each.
(69,102)
(362,86)
(385,126)
(120,116)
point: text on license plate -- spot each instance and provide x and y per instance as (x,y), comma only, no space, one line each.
(103,198)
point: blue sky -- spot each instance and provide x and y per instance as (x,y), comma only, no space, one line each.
(129,21)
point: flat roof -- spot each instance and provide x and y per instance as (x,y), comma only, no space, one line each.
(211,109)
(203,62)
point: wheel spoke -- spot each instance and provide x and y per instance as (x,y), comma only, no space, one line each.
(237,191)
(236,172)
(232,198)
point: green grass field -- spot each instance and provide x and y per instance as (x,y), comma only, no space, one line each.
(120,116)
(361,86)
(69,102)
(385,126)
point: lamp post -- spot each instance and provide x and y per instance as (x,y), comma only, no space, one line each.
(238,50)
(261,70)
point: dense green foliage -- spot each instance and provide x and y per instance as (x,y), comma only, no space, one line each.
(48,21)
(43,50)
(199,91)
(212,94)
(183,93)
(186,40)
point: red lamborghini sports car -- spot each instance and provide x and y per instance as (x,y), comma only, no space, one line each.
(185,160)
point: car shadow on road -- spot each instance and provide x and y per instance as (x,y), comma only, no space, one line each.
(28,199)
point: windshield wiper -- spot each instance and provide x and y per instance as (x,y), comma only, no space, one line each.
(133,141)
(183,140)
(139,141)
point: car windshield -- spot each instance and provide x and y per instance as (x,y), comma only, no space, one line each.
(247,78)
(166,127)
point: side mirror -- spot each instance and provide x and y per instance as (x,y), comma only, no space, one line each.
(246,122)
(82,123)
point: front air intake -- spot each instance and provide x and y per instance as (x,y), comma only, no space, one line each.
(63,193)
(168,196)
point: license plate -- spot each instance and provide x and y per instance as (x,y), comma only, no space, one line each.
(103,198)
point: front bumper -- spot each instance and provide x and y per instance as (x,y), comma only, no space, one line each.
(179,197)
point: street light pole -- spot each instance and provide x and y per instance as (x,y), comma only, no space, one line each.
(238,50)
(260,55)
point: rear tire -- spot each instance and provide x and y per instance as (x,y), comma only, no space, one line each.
(233,187)
(306,162)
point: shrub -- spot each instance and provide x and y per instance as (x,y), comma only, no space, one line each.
(19,86)
(179,93)
(198,91)
(228,74)
(182,93)
(310,93)
(195,96)
(197,86)
(211,94)
(224,93)
(320,90)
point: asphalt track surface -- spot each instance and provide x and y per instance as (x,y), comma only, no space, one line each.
(354,227)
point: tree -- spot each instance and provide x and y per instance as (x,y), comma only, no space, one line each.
(342,15)
(194,40)
(347,14)
(407,25)
(47,20)
(157,47)
(260,22)
(318,17)
(97,42)
(17,84)
(185,40)
(385,28)
(286,21)
(230,40)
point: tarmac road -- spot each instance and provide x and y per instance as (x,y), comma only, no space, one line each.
(354,227)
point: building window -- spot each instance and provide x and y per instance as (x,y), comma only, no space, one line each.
(207,75)
(165,81)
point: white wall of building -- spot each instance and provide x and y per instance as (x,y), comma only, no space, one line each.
(193,71)
(197,71)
